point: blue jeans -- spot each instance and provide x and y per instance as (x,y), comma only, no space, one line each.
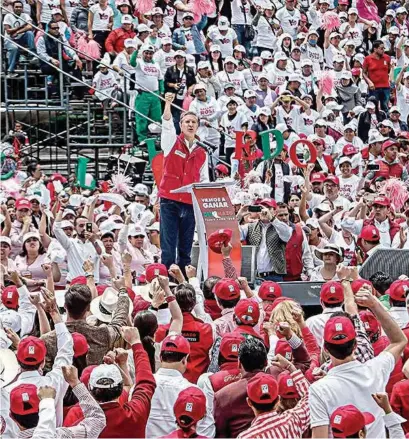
(383,95)
(240,30)
(177,227)
(274,277)
(26,40)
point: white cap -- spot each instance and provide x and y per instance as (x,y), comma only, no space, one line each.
(406,75)
(223,23)
(30,235)
(313,222)
(199,86)
(102,372)
(301,36)
(166,40)
(11,319)
(394,30)
(180,53)
(334,106)
(350,43)
(5,240)
(136,230)
(370,105)
(129,42)
(294,77)
(265,110)
(324,1)
(313,31)
(262,76)
(109,226)
(324,207)
(338,58)
(334,34)
(345,159)
(343,15)
(386,123)
(320,122)
(306,62)
(203,65)
(359,57)
(156,11)
(350,126)
(346,74)
(141,189)
(188,14)
(375,136)
(282,127)
(395,109)
(250,94)
(126,19)
(352,11)
(401,10)
(101,215)
(65,224)
(239,48)
(327,113)
(155,227)
(56,11)
(257,60)
(147,48)
(266,54)
(280,56)
(358,110)
(215,48)
(390,12)
(230,59)
(142,28)
(68,212)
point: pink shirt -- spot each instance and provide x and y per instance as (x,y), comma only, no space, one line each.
(34,269)
(225,323)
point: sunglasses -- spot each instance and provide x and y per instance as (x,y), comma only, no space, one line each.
(138,236)
(54,28)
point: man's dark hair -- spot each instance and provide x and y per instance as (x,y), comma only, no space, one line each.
(78,218)
(77,300)
(253,355)
(106,395)
(186,297)
(397,303)
(341,351)
(208,286)
(376,44)
(29,367)
(331,305)
(52,21)
(32,166)
(352,436)
(172,357)
(228,303)
(381,281)
(264,407)
(282,205)
(27,421)
(14,4)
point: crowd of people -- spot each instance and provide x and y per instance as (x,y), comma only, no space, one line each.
(108,330)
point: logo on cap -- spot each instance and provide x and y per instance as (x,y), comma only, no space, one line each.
(156,272)
(290,382)
(366,324)
(271,289)
(249,309)
(338,326)
(25,397)
(234,348)
(31,350)
(264,388)
(288,355)
(337,419)
(231,288)
(189,407)
(374,232)
(332,290)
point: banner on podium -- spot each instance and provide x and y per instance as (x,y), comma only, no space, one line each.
(217,213)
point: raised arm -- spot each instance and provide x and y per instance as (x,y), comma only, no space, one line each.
(176,313)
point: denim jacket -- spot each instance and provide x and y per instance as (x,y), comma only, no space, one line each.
(179,40)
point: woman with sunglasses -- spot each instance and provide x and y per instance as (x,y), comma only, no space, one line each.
(30,261)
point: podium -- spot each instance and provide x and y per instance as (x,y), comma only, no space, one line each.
(213,211)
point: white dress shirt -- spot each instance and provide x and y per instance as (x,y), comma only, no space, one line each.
(400,315)
(54,378)
(169,383)
(26,310)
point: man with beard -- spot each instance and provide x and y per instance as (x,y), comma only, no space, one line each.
(83,247)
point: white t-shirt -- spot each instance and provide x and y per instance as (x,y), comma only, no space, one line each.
(289,118)
(352,33)
(70,5)
(101,17)
(240,13)
(349,249)
(47,7)
(306,122)
(403,102)
(352,383)
(164,59)
(169,17)
(237,78)
(15,22)
(265,36)
(330,53)
(224,41)
(289,20)
(231,126)
(348,186)
(190,45)
(251,116)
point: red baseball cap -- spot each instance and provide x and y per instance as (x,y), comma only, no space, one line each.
(24,400)
(404,134)
(80,344)
(399,290)
(348,420)
(222,168)
(175,343)
(262,389)
(247,311)
(31,351)
(357,284)
(191,402)
(332,292)
(370,322)
(267,202)
(218,239)
(370,234)
(388,144)
(229,346)
(227,289)
(381,201)
(332,178)
(79,280)
(155,270)
(349,149)
(101,289)
(86,373)
(284,349)
(317,177)
(9,297)
(23,203)
(339,330)
(269,290)
(286,386)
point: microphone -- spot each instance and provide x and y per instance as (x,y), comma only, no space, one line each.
(205,145)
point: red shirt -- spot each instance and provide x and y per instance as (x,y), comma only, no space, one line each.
(129,420)
(400,401)
(377,70)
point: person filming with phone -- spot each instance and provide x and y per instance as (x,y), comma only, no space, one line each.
(185,162)
(270,236)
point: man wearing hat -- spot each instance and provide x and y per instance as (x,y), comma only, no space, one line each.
(148,76)
(349,381)
(222,35)
(373,151)
(115,42)
(398,293)
(390,165)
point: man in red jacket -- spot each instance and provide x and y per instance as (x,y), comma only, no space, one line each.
(200,335)
(115,42)
(184,163)
(390,165)
(106,385)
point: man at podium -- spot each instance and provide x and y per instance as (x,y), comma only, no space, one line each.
(185,162)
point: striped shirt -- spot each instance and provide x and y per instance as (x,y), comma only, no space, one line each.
(291,423)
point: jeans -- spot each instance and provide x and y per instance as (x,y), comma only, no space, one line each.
(383,95)
(26,40)
(176,232)
(240,30)
(274,277)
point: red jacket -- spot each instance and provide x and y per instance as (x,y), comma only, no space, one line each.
(400,401)
(393,227)
(293,254)
(228,373)
(129,420)
(387,170)
(200,336)
(406,350)
(180,168)
(116,40)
